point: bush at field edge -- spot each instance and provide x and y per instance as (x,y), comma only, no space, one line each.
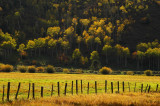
(50,69)
(105,70)
(148,72)
(31,69)
(22,69)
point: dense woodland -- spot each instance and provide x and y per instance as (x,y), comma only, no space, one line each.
(80,33)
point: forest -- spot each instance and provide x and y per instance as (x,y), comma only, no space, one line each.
(81,33)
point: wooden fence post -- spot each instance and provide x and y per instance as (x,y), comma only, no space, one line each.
(96,87)
(135,87)
(29,90)
(149,88)
(112,87)
(146,88)
(105,86)
(118,86)
(81,87)
(88,89)
(8,91)
(157,88)
(58,88)
(72,88)
(17,90)
(77,87)
(33,90)
(65,90)
(141,88)
(52,90)
(42,92)
(123,85)
(3,94)
(129,87)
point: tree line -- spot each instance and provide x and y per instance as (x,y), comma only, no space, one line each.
(74,33)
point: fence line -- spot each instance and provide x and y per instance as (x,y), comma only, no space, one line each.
(142,89)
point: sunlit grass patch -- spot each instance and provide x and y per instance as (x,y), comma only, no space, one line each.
(46,80)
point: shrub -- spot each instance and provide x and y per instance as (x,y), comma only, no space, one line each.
(105,70)
(6,68)
(40,69)
(90,71)
(66,70)
(148,72)
(31,69)
(59,69)
(79,71)
(50,69)
(130,72)
(95,72)
(22,69)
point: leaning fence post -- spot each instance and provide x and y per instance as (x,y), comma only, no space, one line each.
(105,86)
(29,90)
(77,87)
(88,89)
(123,86)
(58,88)
(65,90)
(135,87)
(157,88)
(8,91)
(118,86)
(3,94)
(52,90)
(72,88)
(18,90)
(112,87)
(149,88)
(146,88)
(81,87)
(129,86)
(33,90)
(42,92)
(96,87)
(141,88)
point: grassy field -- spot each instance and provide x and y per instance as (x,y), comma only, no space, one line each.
(46,80)
(127,99)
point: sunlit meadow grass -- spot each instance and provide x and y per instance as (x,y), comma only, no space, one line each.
(131,99)
(46,80)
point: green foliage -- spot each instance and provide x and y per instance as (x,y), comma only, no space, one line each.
(21,48)
(76,54)
(67,31)
(31,44)
(79,71)
(142,47)
(59,69)
(53,31)
(148,72)
(22,69)
(50,69)
(52,43)
(40,69)
(39,43)
(31,69)
(130,72)
(94,56)
(66,70)
(105,70)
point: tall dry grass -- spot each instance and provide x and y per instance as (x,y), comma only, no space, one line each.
(132,99)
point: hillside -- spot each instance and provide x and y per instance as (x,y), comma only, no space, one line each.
(80,33)
(144,32)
